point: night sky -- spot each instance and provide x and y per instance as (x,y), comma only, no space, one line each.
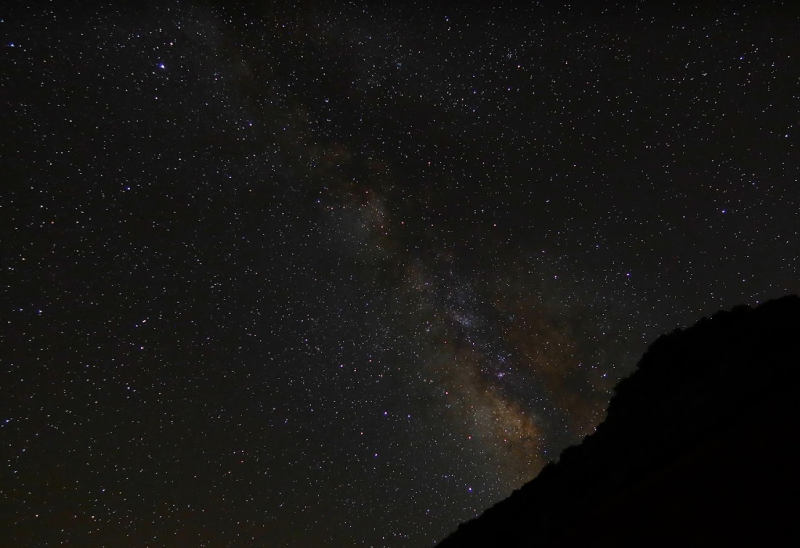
(347,276)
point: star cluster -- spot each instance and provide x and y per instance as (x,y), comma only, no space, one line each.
(348,275)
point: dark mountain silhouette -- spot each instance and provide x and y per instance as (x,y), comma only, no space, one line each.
(699,447)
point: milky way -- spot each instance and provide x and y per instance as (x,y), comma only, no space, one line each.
(348,276)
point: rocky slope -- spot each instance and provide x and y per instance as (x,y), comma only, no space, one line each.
(698,448)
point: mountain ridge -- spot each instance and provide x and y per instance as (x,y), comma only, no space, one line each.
(671,445)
